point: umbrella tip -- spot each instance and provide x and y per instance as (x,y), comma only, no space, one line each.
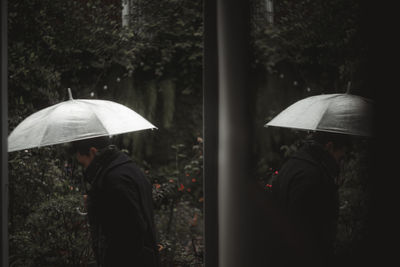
(70,94)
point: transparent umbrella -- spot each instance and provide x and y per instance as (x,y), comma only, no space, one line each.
(75,119)
(337,113)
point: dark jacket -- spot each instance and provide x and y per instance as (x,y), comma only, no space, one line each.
(307,197)
(120,212)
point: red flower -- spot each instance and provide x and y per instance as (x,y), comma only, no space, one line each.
(276,172)
(269,185)
(181,188)
(194,220)
(193,180)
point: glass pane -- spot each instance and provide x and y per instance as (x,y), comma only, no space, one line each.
(145,55)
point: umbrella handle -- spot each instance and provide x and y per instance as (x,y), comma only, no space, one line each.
(78,210)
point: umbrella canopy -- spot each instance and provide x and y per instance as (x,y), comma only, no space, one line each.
(336,113)
(75,120)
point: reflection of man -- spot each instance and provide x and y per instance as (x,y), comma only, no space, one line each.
(307,196)
(119,206)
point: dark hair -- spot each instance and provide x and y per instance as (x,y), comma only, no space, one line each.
(338,140)
(83,146)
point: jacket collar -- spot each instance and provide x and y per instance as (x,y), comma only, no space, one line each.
(104,160)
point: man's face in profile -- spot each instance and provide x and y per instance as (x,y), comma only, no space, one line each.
(84,159)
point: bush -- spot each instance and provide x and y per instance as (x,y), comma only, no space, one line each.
(55,235)
(45,227)
(178,198)
(354,197)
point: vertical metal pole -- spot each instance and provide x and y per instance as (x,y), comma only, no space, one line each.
(3,135)
(210,133)
(234,133)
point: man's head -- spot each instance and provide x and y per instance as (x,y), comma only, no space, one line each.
(87,149)
(336,144)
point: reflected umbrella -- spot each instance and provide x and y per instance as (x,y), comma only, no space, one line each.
(336,113)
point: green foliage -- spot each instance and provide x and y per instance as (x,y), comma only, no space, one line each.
(45,227)
(55,235)
(354,199)
(178,198)
(172,32)
(322,42)
(61,44)
(58,44)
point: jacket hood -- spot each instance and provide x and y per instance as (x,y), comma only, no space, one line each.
(105,160)
(315,154)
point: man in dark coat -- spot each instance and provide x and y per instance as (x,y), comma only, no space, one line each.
(119,204)
(307,197)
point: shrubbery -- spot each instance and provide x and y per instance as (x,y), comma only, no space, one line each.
(178,195)
(45,227)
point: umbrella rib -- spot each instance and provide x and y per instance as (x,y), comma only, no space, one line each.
(74,120)
(41,143)
(300,117)
(100,122)
(323,114)
(45,129)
